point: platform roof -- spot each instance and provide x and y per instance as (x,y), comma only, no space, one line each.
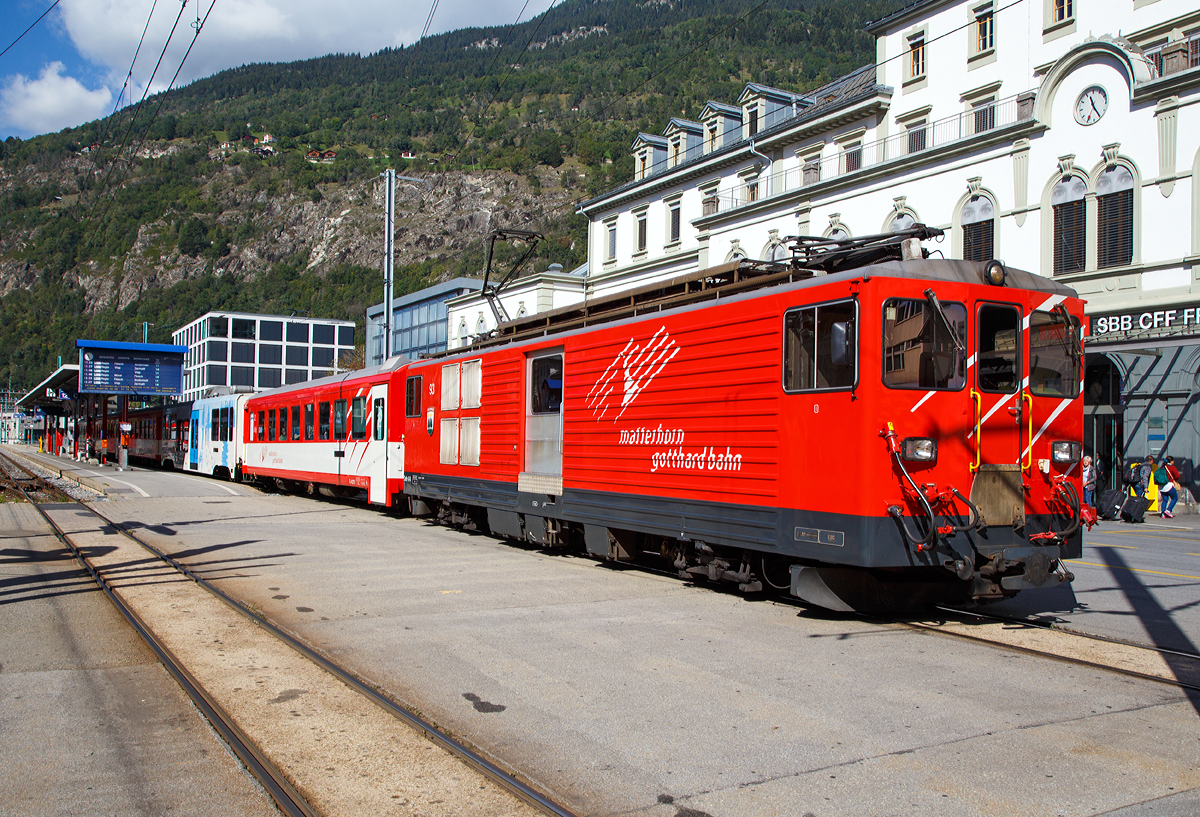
(65,378)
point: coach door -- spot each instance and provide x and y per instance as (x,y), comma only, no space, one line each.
(542,472)
(374,463)
(194,441)
(1002,410)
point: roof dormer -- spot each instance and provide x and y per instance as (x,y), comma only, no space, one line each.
(685,140)
(649,155)
(722,125)
(764,107)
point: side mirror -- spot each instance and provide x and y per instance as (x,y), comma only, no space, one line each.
(839,343)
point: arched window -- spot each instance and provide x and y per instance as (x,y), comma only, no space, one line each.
(902,221)
(1070,224)
(979,229)
(481,325)
(462,329)
(1114,217)
(777,251)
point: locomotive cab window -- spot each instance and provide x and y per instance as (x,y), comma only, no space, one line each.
(339,419)
(358,419)
(820,347)
(324,417)
(997,361)
(1053,355)
(918,352)
(412,397)
(546,385)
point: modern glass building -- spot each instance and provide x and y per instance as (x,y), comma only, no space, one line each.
(249,352)
(419,321)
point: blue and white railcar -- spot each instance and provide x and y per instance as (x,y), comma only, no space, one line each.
(216,447)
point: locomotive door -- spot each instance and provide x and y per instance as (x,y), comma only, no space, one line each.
(1002,409)
(542,471)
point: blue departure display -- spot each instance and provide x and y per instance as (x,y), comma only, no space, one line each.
(133,371)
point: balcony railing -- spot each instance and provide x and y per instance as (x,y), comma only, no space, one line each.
(851,159)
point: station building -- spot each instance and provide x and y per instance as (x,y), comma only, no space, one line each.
(246,351)
(1060,136)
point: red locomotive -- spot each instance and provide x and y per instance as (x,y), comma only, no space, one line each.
(863,431)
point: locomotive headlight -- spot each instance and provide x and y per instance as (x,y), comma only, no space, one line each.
(995,273)
(919,449)
(1065,452)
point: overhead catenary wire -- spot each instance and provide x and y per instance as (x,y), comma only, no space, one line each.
(31,25)
(132,63)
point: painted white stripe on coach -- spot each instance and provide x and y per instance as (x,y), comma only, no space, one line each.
(928,394)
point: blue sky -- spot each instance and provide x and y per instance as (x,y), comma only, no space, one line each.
(70,68)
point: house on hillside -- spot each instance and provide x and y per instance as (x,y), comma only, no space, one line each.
(313,155)
(329,156)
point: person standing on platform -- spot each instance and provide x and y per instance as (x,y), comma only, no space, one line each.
(1089,482)
(1168,478)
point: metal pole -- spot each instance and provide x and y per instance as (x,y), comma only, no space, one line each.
(388,248)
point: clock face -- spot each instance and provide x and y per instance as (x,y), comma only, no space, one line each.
(1092,104)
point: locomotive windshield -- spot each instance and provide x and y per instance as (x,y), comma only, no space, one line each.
(1053,368)
(918,350)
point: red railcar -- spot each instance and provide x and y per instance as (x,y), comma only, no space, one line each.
(882,435)
(328,436)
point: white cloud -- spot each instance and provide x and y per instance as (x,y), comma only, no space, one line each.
(49,103)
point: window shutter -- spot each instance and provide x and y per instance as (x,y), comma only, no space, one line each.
(1069,236)
(1114,230)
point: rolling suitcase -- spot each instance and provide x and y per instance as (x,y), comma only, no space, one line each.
(1108,506)
(1134,509)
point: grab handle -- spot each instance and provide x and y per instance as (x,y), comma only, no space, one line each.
(1026,396)
(977,402)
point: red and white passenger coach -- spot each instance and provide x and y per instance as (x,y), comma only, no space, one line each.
(864,431)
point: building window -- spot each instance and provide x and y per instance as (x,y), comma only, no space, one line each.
(985,115)
(985,31)
(754,120)
(1114,217)
(917,132)
(673,235)
(243,329)
(712,137)
(1063,10)
(642,170)
(752,191)
(979,229)
(916,56)
(611,250)
(903,220)
(1067,203)
(853,157)
(641,232)
(675,151)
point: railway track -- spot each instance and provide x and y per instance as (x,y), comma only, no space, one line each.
(271,777)
(20,483)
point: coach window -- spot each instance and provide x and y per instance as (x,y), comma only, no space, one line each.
(283,424)
(1053,356)
(308,421)
(546,385)
(918,352)
(262,425)
(214,428)
(412,397)
(339,419)
(358,419)
(999,327)
(377,419)
(295,422)
(271,424)
(324,418)
(820,347)
(226,436)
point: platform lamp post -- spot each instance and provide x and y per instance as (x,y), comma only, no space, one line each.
(146,330)
(389,234)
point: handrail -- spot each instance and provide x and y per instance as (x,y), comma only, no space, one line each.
(977,400)
(1029,449)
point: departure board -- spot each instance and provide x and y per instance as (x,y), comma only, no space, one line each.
(133,371)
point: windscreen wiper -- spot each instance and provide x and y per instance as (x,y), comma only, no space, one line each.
(936,305)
